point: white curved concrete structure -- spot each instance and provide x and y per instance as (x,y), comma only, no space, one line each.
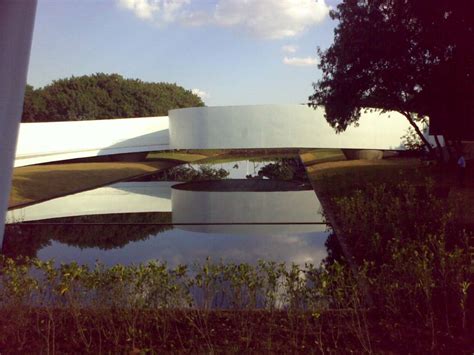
(259,126)
(280,126)
(53,141)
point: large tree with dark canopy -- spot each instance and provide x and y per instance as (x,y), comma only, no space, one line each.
(103,96)
(412,56)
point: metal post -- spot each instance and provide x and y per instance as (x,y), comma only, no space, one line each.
(16,31)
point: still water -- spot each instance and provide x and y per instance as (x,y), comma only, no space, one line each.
(239,211)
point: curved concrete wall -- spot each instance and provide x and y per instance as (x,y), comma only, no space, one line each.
(279,126)
(260,126)
(52,141)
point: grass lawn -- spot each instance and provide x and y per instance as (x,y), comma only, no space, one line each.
(243,185)
(316,156)
(217,156)
(181,156)
(41,182)
(337,178)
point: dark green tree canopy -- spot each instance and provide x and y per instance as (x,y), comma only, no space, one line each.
(103,96)
(412,56)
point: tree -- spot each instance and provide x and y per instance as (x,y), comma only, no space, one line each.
(103,96)
(397,55)
(109,231)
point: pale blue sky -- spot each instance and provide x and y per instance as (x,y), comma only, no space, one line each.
(233,51)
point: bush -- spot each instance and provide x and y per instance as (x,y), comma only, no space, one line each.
(417,259)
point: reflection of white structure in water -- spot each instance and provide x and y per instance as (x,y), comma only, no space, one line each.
(184,244)
(124,197)
(281,211)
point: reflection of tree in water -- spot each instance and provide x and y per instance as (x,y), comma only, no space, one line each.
(106,232)
(334,250)
(187,173)
(284,169)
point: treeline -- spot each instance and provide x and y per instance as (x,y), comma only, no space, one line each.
(103,96)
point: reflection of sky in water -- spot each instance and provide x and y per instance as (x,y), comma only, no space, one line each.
(178,246)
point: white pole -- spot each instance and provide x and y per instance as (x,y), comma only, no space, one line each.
(16,30)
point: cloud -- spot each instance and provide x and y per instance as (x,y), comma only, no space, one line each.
(289,48)
(269,19)
(196,18)
(158,11)
(202,94)
(300,62)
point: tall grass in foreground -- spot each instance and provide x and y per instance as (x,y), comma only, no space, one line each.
(217,306)
(209,306)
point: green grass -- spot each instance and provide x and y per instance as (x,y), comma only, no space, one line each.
(316,156)
(339,178)
(255,158)
(177,156)
(243,185)
(41,182)
(218,156)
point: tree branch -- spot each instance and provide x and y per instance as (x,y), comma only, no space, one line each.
(410,119)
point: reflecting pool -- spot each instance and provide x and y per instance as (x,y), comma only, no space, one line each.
(238,211)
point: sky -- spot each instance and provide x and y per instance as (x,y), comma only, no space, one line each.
(230,52)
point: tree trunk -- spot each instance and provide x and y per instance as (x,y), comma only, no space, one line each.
(418,131)
(440,149)
(449,151)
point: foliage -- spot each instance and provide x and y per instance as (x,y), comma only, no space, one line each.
(103,96)
(417,260)
(285,169)
(397,55)
(412,142)
(187,173)
(151,306)
(99,231)
(216,305)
